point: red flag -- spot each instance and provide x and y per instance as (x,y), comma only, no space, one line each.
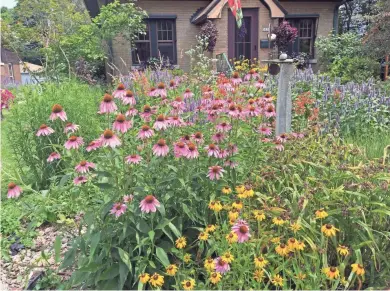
(235,7)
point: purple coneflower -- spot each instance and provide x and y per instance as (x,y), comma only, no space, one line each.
(152,92)
(147,113)
(149,204)
(236,80)
(131,112)
(241,228)
(80,180)
(108,138)
(128,198)
(58,112)
(230,164)
(233,111)
(282,138)
(119,92)
(188,94)
(192,151)
(172,84)
(264,129)
(44,130)
(215,172)
(253,111)
(93,145)
(198,137)
(128,98)
(118,209)
(161,91)
(71,127)
(260,84)
(14,190)
(221,266)
(160,149)
(53,156)
(212,150)
(270,111)
(133,159)
(223,127)
(83,167)
(278,145)
(107,105)
(180,149)
(175,121)
(218,137)
(121,124)
(161,123)
(74,142)
(145,132)
(252,75)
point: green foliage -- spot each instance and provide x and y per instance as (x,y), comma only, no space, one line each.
(357,69)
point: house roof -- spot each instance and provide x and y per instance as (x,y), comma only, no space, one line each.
(8,56)
(26,67)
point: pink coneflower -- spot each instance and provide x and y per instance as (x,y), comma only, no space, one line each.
(218,137)
(252,75)
(270,111)
(212,150)
(161,123)
(278,145)
(180,149)
(264,129)
(253,111)
(226,85)
(108,138)
(198,137)
(74,142)
(83,167)
(260,84)
(93,145)
(215,172)
(192,151)
(147,113)
(236,80)
(265,139)
(133,159)
(188,94)
(128,98)
(241,228)
(44,130)
(118,209)
(230,164)
(212,117)
(223,127)
(121,124)
(152,92)
(221,266)
(178,104)
(119,92)
(282,138)
(128,198)
(161,91)
(145,132)
(107,105)
(71,127)
(233,110)
(160,149)
(172,84)
(223,153)
(53,156)
(80,180)
(186,138)
(131,112)
(14,190)
(232,148)
(208,92)
(298,135)
(58,112)
(175,121)
(149,204)
(267,98)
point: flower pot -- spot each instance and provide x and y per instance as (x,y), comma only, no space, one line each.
(283,56)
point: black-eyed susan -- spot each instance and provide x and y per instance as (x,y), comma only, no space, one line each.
(232,237)
(156,280)
(275,240)
(248,192)
(237,205)
(203,236)
(181,242)
(171,270)
(233,214)
(300,246)
(301,276)
(209,264)
(240,189)
(215,277)
(343,250)
(187,258)
(258,275)
(144,278)
(321,213)
(232,221)
(282,250)
(277,280)
(210,228)
(226,190)
(292,244)
(332,272)
(278,221)
(215,205)
(259,215)
(358,269)
(260,262)
(227,257)
(329,230)
(296,226)
(188,284)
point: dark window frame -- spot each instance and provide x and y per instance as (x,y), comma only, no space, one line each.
(153,24)
(295,47)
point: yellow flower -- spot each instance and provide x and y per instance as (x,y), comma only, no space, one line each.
(227,207)
(232,237)
(275,240)
(258,275)
(259,215)
(209,264)
(232,221)
(203,236)
(215,277)
(242,195)
(187,258)
(188,284)
(295,226)
(171,270)
(278,221)
(156,280)
(321,214)
(260,262)
(240,189)
(248,192)
(237,205)
(332,273)
(233,214)
(210,228)
(300,276)
(181,242)
(228,257)
(277,280)
(292,244)
(343,250)
(226,190)
(144,278)
(329,230)
(358,269)
(300,246)
(215,205)
(282,250)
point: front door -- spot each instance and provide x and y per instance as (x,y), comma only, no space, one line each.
(243,42)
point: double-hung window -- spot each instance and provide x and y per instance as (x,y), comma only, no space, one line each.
(304,43)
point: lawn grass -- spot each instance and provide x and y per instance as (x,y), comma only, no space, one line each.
(7,162)
(373,145)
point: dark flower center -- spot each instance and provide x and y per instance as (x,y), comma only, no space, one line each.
(11,185)
(243,229)
(198,135)
(147,108)
(107,98)
(282,246)
(129,93)
(155,277)
(149,199)
(172,83)
(161,142)
(152,89)
(161,86)
(57,108)
(191,147)
(188,90)
(121,86)
(83,163)
(160,118)
(251,101)
(43,126)
(108,134)
(215,169)
(252,108)
(328,226)
(120,118)
(232,107)
(268,94)
(292,240)
(236,75)
(181,145)
(252,71)
(145,128)
(187,137)
(69,124)
(188,284)
(333,269)
(118,207)
(133,156)
(270,109)
(73,138)
(221,262)
(178,99)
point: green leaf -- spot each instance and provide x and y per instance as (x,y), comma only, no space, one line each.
(63,180)
(95,238)
(151,235)
(110,273)
(125,258)
(57,248)
(162,256)
(174,229)
(142,226)
(123,272)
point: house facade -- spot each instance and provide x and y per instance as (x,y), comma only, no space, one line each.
(10,67)
(172,26)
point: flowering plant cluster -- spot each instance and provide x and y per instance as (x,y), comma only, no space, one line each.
(285,34)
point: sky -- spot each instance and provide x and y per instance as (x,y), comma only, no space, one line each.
(7,3)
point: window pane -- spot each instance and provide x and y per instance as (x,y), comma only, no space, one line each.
(243,34)
(304,46)
(167,50)
(141,52)
(165,30)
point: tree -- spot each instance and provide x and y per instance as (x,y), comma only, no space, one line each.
(354,15)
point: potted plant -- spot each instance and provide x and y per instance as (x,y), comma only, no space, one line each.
(285,34)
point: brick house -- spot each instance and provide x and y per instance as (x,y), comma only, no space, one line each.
(173,24)
(10,67)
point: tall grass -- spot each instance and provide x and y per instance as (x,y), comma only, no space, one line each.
(373,145)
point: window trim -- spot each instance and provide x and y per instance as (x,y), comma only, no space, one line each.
(11,71)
